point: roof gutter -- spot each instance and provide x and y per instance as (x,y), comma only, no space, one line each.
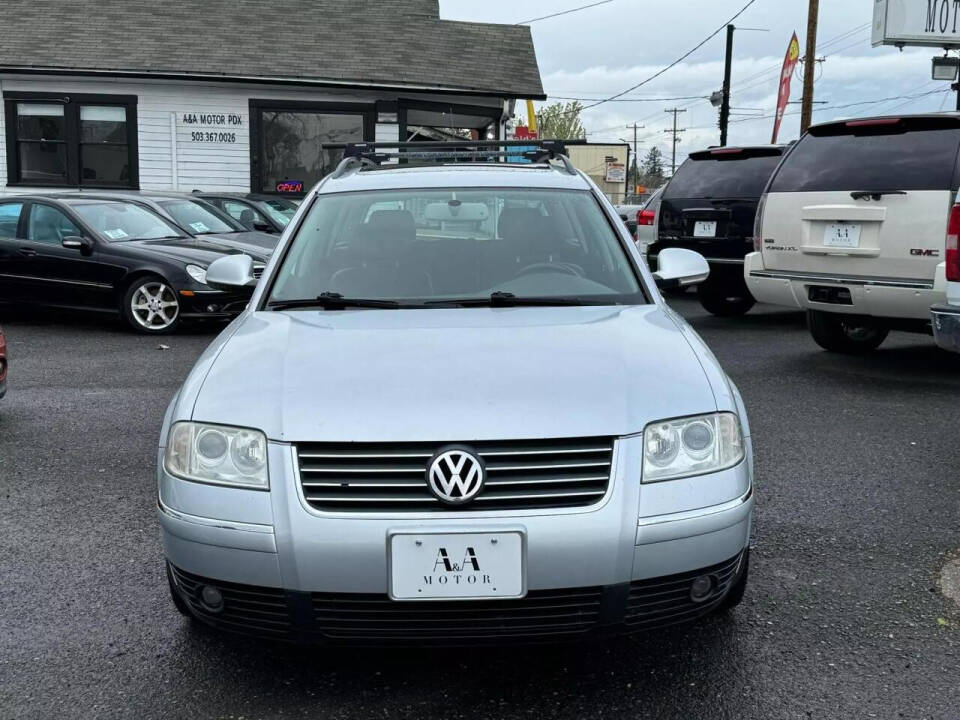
(261,80)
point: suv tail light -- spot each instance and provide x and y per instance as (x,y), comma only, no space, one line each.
(953,252)
(758,224)
(646,217)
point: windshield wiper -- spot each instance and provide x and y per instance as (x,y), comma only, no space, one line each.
(332,301)
(508,299)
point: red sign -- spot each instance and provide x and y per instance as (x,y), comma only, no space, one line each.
(522,132)
(789,63)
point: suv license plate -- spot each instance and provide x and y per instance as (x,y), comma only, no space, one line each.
(842,235)
(456,566)
(705,228)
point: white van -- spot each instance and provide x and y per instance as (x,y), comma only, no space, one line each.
(853,227)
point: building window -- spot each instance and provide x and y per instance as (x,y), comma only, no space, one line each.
(77,141)
(293,145)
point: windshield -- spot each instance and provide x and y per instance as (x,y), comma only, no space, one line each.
(733,176)
(433,246)
(198,218)
(280,211)
(120,221)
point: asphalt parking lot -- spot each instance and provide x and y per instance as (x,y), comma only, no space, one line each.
(845,616)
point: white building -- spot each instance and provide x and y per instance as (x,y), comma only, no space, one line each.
(241,96)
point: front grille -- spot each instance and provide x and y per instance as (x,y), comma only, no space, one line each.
(246,608)
(666,600)
(542,614)
(391,477)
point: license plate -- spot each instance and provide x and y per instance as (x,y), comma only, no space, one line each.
(842,235)
(705,228)
(458,566)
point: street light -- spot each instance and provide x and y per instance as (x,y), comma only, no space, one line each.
(945,68)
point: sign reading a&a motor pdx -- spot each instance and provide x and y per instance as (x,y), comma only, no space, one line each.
(916,22)
(209,127)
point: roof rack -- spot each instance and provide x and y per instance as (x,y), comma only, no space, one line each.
(372,154)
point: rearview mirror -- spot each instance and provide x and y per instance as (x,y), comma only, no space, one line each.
(231,272)
(76,242)
(678,267)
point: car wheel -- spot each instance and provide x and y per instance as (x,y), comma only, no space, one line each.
(735,595)
(178,601)
(723,300)
(844,334)
(150,305)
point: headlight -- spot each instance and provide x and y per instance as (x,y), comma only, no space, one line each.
(197,273)
(217,454)
(691,446)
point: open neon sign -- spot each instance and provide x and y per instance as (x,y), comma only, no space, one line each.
(290,186)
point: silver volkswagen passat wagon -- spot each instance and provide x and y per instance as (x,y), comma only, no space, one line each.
(456,410)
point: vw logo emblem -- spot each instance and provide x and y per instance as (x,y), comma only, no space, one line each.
(455,475)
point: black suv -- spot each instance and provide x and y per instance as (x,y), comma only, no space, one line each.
(709,206)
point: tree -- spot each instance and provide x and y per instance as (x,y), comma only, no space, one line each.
(559,121)
(652,171)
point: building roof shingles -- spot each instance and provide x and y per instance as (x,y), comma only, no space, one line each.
(361,41)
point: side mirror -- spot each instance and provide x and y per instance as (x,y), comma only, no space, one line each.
(677,267)
(75,242)
(231,272)
(263,227)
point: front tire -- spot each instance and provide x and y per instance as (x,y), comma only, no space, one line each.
(844,334)
(151,306)
(724,300)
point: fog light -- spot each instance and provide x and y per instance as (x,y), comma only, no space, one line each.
(212,308)
(211,598)
(701,588)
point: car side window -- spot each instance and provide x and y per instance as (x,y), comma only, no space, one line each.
(243,213)
(49,225)
(9,219)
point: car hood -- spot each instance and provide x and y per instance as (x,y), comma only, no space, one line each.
(453,374)
(249,241)
(202,250)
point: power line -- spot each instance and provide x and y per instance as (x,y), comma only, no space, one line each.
(564,12)
(665,99)
(678,60)
(908,98)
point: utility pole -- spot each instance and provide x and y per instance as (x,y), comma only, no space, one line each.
(725,103)
(675,132)
(636,164)
(809,66)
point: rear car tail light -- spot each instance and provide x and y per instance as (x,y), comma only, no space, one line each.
(953,251)
(646,217)
(758,224)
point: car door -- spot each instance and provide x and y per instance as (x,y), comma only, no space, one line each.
(9,249)
(57,275)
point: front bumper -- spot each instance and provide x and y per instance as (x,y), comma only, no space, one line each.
(946,326)
(213,304)
(605,556)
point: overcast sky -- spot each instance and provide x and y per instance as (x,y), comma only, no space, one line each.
(603,50)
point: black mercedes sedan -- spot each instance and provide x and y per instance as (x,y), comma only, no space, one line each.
(93,253)
(198,218)
(267,213)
